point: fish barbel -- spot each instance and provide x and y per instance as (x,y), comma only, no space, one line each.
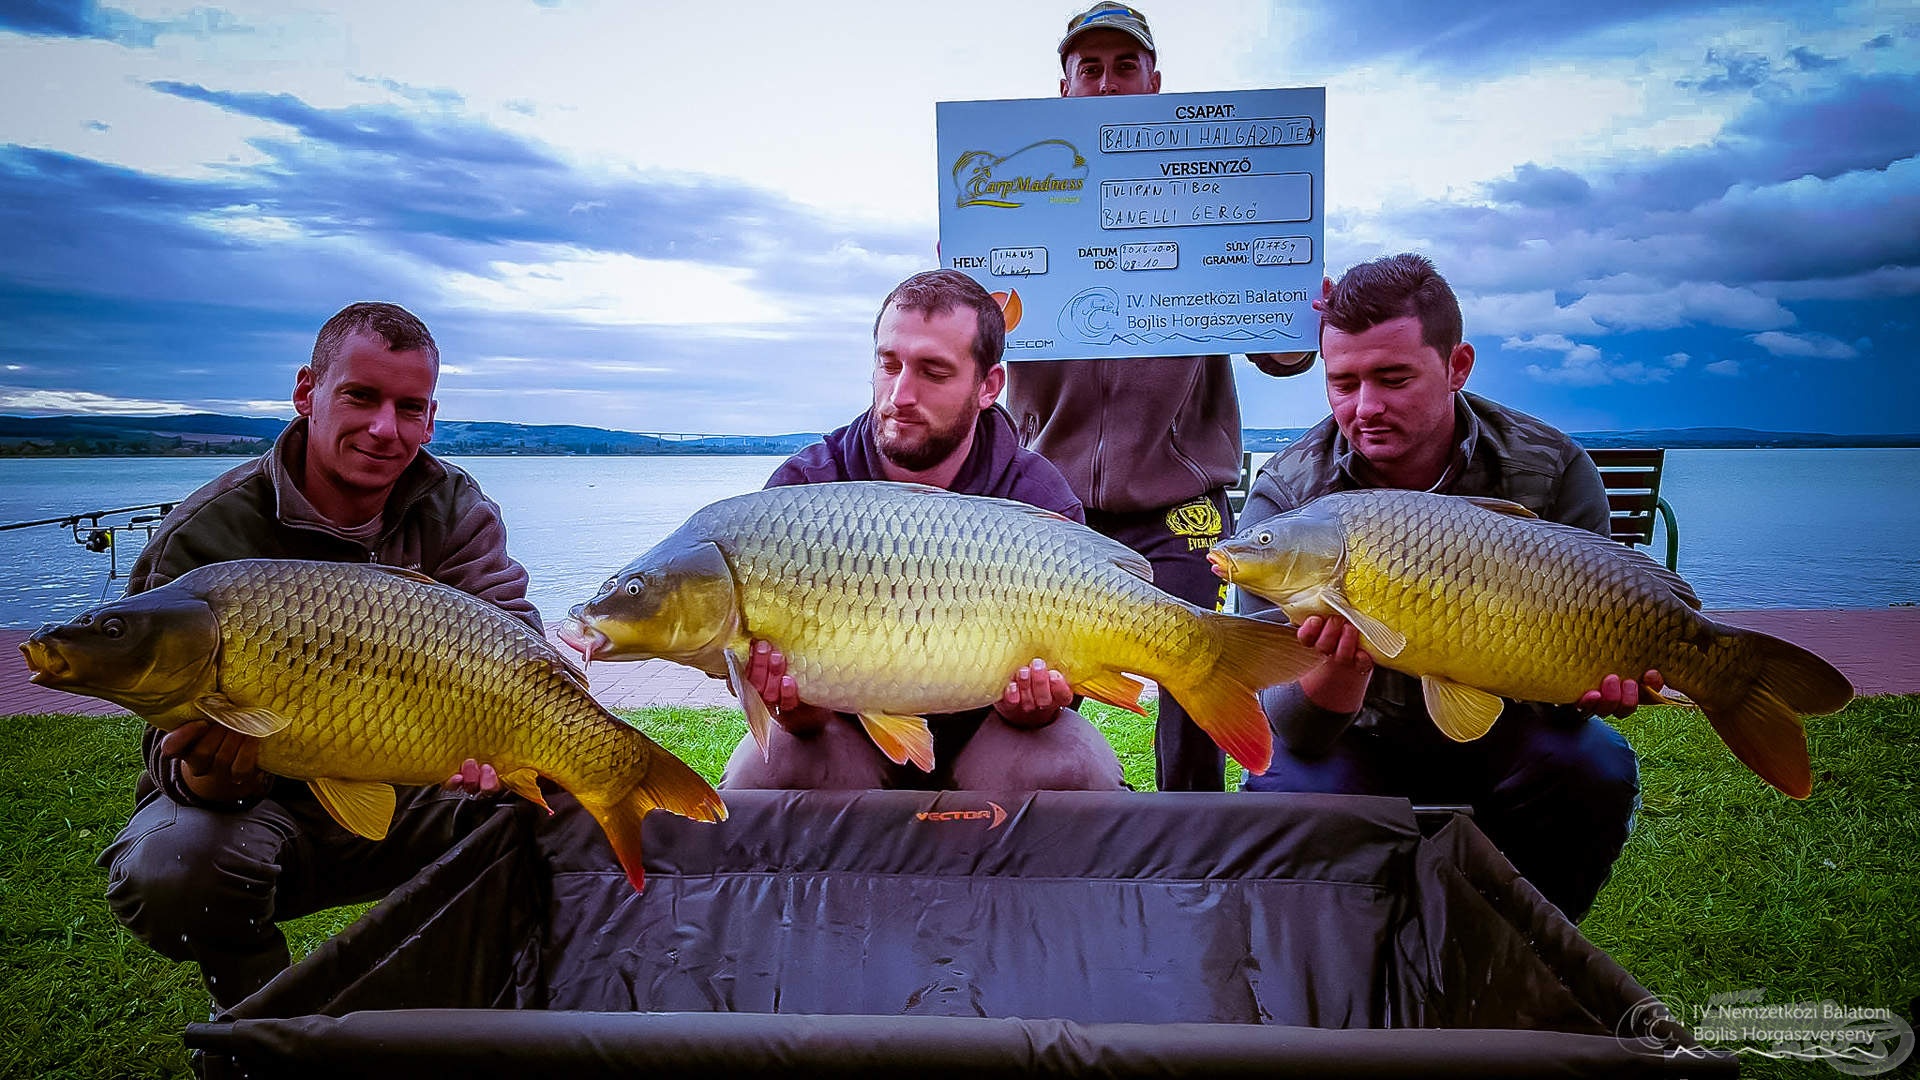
(357,677)
(1482,601)
(896,600)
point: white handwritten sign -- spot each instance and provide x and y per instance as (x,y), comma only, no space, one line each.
(1142,225)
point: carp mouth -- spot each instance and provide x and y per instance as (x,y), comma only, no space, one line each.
(1222,564)
(582,638)
(45,666)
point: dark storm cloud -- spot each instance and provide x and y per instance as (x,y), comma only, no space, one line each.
(1535,186)
(208,289)
(54,18)
(1730,71)
(1818,185)
(1805,59)
(1476,35)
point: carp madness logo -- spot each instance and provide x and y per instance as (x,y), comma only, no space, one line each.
(994,813)
(1052,169)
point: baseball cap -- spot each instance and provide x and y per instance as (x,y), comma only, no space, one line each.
(1109,17)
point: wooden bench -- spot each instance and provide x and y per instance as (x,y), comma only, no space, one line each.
(1632,478)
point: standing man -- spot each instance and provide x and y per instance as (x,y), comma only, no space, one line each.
(1551,785)
(218,852)
(1149,445)
(936,372)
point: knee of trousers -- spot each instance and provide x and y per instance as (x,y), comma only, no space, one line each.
(1590,768)
(201,875)
(1068,754)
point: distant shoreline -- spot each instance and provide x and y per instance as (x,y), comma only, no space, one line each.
(213,435)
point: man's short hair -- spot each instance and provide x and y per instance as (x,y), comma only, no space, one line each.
(936,292)
(398,327)
(1395,287)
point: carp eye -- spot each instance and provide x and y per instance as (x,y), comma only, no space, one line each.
(633,587)
(113,628)
(1265,538)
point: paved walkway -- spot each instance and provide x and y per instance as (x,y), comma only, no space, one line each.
(1877,648)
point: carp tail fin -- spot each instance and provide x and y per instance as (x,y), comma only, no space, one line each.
(1773,684)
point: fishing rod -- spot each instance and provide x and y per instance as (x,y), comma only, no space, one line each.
(90,534)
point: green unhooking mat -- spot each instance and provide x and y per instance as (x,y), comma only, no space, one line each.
(965,934)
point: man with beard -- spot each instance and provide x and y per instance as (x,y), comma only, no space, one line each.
(936,372)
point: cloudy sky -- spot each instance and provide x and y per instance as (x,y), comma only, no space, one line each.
(680,217)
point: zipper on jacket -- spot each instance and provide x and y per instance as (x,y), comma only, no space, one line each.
(1173,432)
(1099,435)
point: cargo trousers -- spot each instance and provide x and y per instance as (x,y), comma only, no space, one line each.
(1554,790)
(1175,540)
(211,886)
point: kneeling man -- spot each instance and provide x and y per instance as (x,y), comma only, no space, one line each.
(936,373)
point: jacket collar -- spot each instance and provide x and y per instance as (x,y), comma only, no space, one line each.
(991,455)
(287,461)
(1357,472)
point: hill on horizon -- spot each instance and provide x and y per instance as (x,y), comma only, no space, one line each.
(215,433)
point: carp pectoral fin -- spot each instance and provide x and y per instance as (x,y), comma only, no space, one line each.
(256,722)
(901,738)
(1115,689)
(362,807)
(526,784)
(759,720)
(1462,713)
(1500,506)
(1383,641)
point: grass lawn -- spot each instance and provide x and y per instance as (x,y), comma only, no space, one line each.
(1725,886)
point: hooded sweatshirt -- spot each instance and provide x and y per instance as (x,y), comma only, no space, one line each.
(997,465)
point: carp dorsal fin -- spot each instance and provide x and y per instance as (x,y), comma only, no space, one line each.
(901,738)
(1114,688)
(1499,506)
(1462,713)
(403,572)
(1383,641)
(362,807)
(255,721)
(759,720)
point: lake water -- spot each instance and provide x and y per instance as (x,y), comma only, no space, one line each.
(1758,528)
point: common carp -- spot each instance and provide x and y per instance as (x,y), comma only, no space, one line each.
(896,600)
(1480,601)
(357,677)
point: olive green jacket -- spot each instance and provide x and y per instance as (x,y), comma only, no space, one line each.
(437,522)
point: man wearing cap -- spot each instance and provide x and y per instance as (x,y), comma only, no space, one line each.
(1150,444)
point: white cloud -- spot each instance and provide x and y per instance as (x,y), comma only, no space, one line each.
(1728,368)
(84,401)
(610,289)
(1678,360)
(1582,364)
(1814,346)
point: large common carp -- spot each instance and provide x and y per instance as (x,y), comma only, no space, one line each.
(1480,601)
(357,677)
(896,600)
